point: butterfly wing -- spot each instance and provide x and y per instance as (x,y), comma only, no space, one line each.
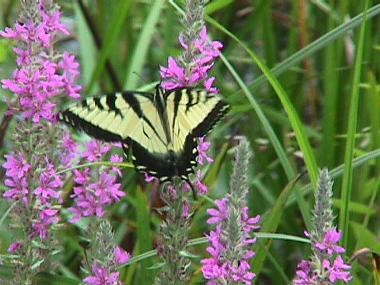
(160,131)
(129,117)
(191,113)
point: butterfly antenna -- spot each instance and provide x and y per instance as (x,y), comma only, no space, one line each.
(140,77)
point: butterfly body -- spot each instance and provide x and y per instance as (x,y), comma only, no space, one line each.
(159,130)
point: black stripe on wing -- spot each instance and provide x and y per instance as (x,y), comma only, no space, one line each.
(78,123)
(105,103)
(190,152)
(177,99)
(216,114)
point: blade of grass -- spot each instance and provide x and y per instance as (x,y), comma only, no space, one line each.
(329,126)
(144,237)
(112,34)
(290,173)
(313,47)
(204,240)
(280,269)
(350,142)
(374,107)
(267,127)
(217,5)
(6,213)
(270,225)
(47,278)
(87,50)
(269,39)
(289,108)
(338,171)
(143,45)
(273,138)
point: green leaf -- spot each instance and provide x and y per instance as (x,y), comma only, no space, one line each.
(270,225)
(112,34)
(313,47)
(338,171)
(87,50)
(350,142)
(217,5)
(143,45)
(355,207)
(144,236)
(365,238)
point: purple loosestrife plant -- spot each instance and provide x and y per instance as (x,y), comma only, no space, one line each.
(193,66)
(42,76)
(326,265)
(231,240)
(191,69)
(174,232)
(104,257)
(95,188)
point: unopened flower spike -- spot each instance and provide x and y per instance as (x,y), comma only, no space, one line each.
(231,240)
(326,266)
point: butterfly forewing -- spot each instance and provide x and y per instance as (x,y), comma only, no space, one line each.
(192,112)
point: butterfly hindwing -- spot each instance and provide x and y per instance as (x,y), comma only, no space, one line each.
(160,130)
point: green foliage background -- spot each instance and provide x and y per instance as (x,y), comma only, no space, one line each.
(302,78)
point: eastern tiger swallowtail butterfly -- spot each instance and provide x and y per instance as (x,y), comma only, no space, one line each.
(160,129)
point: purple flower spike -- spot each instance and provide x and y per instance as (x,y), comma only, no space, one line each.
(50,183)
(15,247)
(102,276)
(338,271)
(329,243)
(16,172)
(16,166)
(199,185)
(220,214)
(202,148)
(219,267)
(47,218)
(95,150)
(41,73)
(326,266)
(95,191)
(121,256)
(195,64)
(231,240)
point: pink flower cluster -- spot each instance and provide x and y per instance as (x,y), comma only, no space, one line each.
(94,191)
(17,170)
(68,150)
(329,266)
(43,197)
(180,74)
(40,75)
(103,275)
(229,262)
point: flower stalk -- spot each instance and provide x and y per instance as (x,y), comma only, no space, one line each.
(174,234)
(188,70)
(42,76)
(193,66)
(103,257)
(231,240)
(326,266)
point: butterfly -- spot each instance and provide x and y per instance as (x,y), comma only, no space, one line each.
(158,131)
